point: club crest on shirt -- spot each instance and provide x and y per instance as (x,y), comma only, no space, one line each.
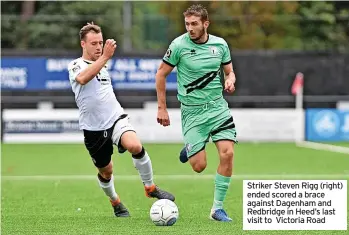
(213,50)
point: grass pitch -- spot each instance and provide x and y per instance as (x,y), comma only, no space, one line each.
(52,189)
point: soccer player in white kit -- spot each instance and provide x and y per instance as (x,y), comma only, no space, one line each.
(103,120)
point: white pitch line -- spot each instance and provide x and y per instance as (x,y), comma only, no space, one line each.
(176,177)
(321,146)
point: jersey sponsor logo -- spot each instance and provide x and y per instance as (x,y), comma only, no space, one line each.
(201,82)
(103,77)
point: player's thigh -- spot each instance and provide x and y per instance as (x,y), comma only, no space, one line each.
(222,125)
(99,146)
(225,134)
(224,141)
(124,136)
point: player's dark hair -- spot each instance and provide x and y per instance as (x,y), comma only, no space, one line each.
(90,27)
(197,10)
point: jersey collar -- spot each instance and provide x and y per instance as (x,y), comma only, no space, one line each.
(200,43)
(87,61)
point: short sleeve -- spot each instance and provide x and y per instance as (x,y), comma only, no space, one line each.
(172,55)
(75,69)
(226,59)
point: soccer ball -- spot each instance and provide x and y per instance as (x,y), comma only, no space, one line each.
(164,213)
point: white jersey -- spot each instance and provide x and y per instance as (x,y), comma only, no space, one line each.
(98,106)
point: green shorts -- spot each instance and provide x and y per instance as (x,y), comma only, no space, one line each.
(199,123)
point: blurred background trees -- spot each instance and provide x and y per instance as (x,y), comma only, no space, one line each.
(150,26)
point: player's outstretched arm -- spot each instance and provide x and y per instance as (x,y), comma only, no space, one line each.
(90,72)
(229,77)
(163,71)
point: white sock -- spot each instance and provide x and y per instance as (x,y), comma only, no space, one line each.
(108,188)
(145,169)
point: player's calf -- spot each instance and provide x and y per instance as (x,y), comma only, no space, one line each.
(106,181)
(140,157)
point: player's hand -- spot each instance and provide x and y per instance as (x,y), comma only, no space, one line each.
(109,48)
(229,86)
(163,118)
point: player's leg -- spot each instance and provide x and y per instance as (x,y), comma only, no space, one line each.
(223,135)
(106,182)
(125,137)
(100,148)
(222,179)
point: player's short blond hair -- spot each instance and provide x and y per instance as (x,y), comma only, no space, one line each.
(90,27)
(197,10)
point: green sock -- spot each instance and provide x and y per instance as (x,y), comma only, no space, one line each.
(221,187)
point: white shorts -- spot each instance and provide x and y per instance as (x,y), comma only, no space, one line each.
(121,126)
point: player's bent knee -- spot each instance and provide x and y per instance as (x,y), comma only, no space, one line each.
(226,159)
(227,154)
(199,167)
(106,172)
(198,161)
(134,149)
(130,141)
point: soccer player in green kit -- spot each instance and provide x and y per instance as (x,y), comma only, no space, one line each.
(205,113)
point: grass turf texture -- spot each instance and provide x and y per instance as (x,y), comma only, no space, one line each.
(50,205)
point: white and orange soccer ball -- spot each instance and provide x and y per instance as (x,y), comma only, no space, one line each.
(164,212)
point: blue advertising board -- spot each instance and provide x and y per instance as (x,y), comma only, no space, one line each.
(327,125)
(40,73)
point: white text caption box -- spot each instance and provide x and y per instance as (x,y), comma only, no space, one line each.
(295,205)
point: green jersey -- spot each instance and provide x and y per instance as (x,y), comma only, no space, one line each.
(198,68)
